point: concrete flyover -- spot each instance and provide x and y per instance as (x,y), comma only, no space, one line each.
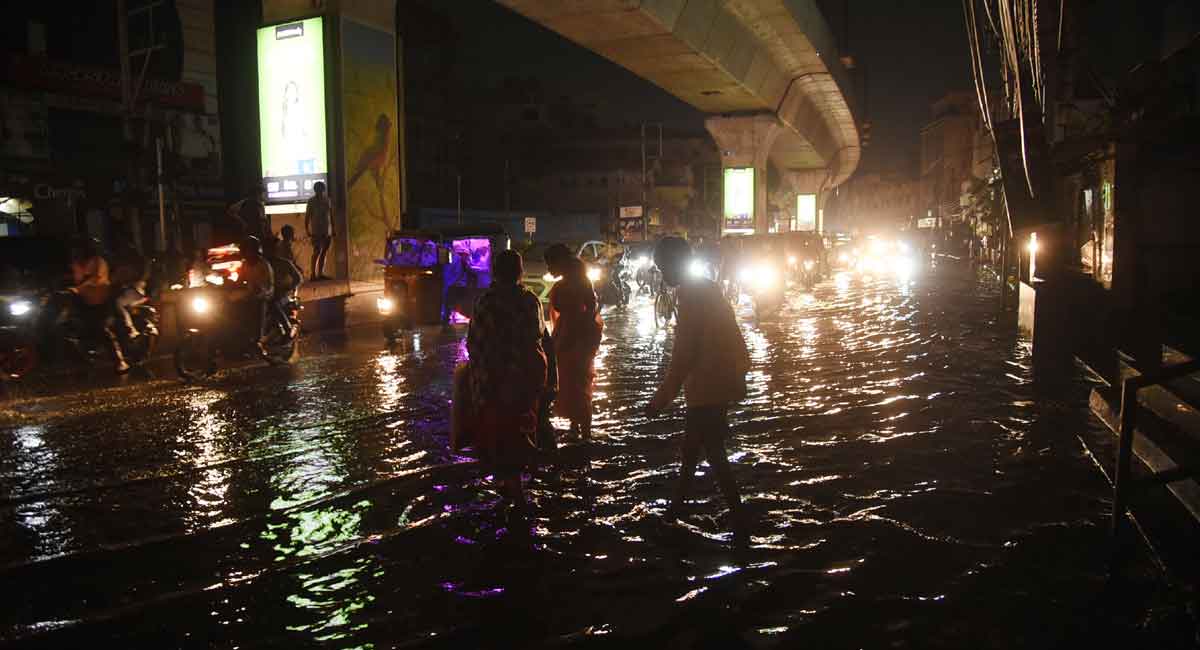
(766,71)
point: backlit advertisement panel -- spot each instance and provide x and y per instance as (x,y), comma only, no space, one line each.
(739,200)
(291,108)
(806,212)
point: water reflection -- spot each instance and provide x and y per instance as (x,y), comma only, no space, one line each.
(878,433)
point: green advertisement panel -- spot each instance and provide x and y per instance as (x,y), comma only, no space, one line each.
(739,200)
(291,108)
(806,213)
(372,137)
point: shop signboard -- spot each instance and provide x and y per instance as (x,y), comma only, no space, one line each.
(738,216)
(71,79)
(291,109)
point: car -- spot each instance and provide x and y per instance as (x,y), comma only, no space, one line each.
(537,276)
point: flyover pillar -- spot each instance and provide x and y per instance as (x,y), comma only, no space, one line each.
(745,143)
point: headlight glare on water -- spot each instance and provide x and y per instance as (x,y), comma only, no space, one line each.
(20,307)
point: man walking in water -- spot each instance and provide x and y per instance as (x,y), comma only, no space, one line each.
(318,222)
(709,362)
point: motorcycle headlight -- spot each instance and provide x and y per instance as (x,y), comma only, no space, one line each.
(808,265)
(549,279)
(20,307)
(696,268)
(792,260)
(385,305)
(201,305)
(214,278)
(843,258)
(764,277)
(594,273)
(641,262)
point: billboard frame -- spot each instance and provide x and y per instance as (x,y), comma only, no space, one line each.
(747,228)
(329,52)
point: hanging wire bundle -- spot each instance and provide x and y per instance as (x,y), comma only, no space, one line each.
(1012,27)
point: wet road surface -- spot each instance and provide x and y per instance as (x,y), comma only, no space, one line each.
(906,487)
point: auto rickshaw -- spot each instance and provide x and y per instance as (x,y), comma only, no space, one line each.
(413,263)
(435,277)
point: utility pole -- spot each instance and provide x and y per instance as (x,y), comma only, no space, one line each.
(129,98)
(646,157)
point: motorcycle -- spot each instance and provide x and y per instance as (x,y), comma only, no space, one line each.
(803,271)
(646,276)
(139,344)
(765,285)
(211,325)
(18,336)
(85,339)
(611,283)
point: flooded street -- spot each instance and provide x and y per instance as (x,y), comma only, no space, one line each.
(906,488)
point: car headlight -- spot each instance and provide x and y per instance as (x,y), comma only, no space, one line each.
(214,278)
(20,307)
(385,305)
(201,305)
(549,279)
(696,268)
(594,273)
(808,265)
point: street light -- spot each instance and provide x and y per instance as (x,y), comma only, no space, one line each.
(1033,249)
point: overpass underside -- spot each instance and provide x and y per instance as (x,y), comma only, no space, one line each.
(765,71)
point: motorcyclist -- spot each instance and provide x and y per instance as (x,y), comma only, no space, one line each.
(287,277)
(91,289)
(129,275)
(257,287)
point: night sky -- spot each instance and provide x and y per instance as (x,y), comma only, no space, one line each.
(913,51)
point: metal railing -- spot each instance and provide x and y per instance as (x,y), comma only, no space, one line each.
(1123,482)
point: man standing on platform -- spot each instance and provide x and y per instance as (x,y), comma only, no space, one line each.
(318,222)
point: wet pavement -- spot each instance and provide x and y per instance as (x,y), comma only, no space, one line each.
(906,484)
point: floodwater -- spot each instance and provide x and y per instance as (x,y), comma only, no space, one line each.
(906,485)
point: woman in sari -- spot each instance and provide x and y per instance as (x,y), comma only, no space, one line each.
(505,375)
(575,317)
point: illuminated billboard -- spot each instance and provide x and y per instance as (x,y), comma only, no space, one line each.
(291,108)
(739,200)
(806,213)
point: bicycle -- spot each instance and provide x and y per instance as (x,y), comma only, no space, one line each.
(665,306)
